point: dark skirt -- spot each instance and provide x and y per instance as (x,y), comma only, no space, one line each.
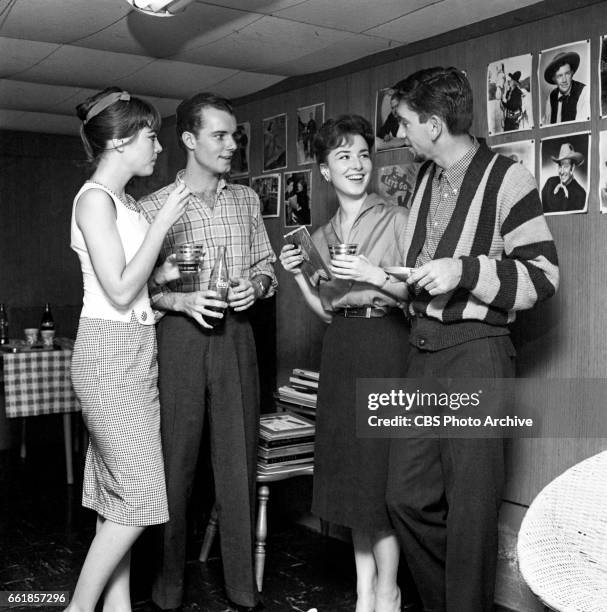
(350,472)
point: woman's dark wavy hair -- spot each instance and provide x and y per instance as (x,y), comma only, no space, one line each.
(444,92)
(123,119)
(336,132)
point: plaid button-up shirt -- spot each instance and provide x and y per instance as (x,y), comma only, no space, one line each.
(446,186)
(235,222)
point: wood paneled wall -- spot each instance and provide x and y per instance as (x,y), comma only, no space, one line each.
(39,176)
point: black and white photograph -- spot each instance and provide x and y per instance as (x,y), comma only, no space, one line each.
(275,142)
(395,182)
(309,120)
(565,85)
(386,121)
(240,158)
(267,187)
(297,195)
(509,89)
(522,152)
(603,171)
(565,168)
(178,270)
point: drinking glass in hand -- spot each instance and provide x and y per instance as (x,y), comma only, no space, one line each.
(342,249)
(189,258)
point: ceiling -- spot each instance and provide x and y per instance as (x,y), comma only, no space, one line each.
(55,53)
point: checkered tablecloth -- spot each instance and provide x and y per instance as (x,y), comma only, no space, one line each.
(38,383)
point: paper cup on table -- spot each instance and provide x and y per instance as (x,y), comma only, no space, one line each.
(31,335)
(189,258)
(342,249)
(48,336)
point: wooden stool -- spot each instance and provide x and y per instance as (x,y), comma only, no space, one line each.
(261,528)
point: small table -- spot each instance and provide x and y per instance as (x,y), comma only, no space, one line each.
(37,381)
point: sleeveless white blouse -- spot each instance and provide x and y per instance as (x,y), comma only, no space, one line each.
(132,228)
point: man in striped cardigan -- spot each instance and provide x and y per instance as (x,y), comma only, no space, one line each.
(481,250)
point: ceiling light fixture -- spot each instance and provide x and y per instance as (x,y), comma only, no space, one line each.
(160,8)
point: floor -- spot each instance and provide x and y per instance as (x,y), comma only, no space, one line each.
(45,533)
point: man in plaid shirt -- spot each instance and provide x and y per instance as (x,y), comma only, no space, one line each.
(205,368)
(481,250)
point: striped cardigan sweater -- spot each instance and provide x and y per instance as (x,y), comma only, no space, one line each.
(499,232)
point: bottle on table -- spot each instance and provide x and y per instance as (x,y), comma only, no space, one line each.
(220,283)
(47,321)
(3,325)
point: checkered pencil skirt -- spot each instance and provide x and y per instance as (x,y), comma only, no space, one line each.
(115,373)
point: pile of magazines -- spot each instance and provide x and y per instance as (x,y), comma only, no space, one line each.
(300,394)
(286,443)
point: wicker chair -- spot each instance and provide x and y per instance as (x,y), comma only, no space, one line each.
(562,543)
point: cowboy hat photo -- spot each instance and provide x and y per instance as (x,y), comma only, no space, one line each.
(560,59)
(567,152)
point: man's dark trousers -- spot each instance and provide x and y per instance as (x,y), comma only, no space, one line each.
(213,370)
(444,494)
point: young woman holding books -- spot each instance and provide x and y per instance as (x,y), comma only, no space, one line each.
(367,337)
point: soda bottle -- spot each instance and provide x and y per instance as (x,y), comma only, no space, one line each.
(220,283)
(47,321)
(3,325)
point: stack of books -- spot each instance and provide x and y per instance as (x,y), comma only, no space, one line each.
(300,394)
(286,441)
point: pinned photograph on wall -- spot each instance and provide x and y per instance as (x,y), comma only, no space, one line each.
(564,80)
(522,152)
(603,75)
(275,142)
(509,106)
(395,183)
(298,187)
(240,158)
(565,172)
(603,170)
(309,120)
(267,187)
(386,121)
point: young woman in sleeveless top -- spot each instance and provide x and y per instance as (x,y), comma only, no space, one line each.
(114,369)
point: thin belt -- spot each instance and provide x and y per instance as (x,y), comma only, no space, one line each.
(363,312)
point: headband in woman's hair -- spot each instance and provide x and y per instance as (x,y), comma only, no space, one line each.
(106,101)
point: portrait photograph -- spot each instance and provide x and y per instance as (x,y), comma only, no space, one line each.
(297,192)
(522,152)
(275,142)
(603,171)
(240,159)
(564,83)
(565,172)
(309,120)
(386,121)
(509,106)
(267,187)
(603,75)
(395,182)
